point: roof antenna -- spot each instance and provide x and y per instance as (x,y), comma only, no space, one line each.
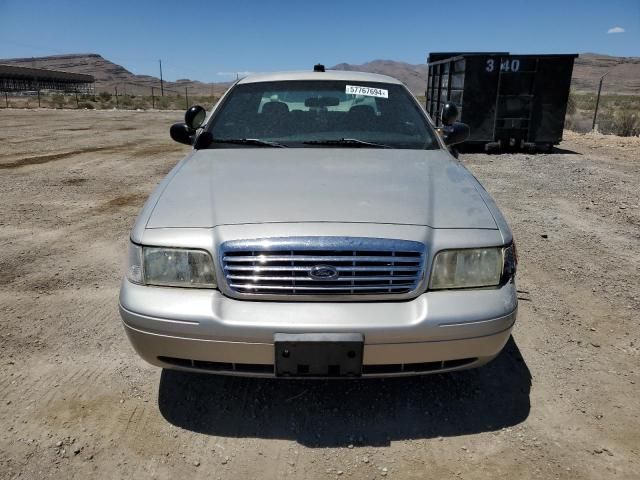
(318,67)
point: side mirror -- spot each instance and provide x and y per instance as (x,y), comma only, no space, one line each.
(449,113)
(181,133)
(456,133)
(194,117)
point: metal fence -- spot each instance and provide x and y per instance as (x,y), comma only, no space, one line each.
(121,96)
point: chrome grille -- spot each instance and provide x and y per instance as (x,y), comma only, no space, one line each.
(358,266)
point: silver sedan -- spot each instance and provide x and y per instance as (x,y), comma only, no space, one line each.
(319,227)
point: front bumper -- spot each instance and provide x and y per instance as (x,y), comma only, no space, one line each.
(203,330)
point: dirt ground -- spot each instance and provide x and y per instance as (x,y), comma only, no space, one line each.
(562,400)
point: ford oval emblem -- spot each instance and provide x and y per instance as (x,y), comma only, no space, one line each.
(323,272)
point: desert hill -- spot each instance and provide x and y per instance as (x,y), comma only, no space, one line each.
(624,76)
(109,75)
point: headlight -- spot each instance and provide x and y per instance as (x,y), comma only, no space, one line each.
(473,267)
(175,267)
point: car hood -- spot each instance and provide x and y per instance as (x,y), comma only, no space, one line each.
(359,185)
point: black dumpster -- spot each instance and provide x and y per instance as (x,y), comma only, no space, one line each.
(508,101)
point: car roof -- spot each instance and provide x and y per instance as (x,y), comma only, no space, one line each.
(343,75)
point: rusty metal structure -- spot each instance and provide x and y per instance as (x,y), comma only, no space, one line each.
(24,79)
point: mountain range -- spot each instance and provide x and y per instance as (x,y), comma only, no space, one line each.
(110,76)
(624,76)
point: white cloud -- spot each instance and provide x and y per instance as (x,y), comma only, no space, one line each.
(616,30)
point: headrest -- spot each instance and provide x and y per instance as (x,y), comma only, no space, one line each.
(275,108)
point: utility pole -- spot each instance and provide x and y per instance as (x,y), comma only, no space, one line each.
(161,82)
(595,113)
(116,97)
(153,98)
(186,96)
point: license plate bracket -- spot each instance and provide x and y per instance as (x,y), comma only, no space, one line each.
(318,354)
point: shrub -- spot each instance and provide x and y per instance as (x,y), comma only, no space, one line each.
(57,100)
(125,101)
(584,101)
(163,103)
(88,105)
(104,96)
(142,103)
(623,123)
(569,121)
(571,104)
(626,124)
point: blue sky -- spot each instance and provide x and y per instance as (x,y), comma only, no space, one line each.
(201,40)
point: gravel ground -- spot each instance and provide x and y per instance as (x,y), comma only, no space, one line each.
(75,401)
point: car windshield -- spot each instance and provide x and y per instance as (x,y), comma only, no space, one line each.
(321,114)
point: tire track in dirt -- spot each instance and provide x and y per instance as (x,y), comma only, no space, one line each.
(143,434)
(131,426)
(5,384)
(25,383)
(91,377)
(105,317)
(46,158)
(131,419)
(138,435)
(58,388)
(86,402)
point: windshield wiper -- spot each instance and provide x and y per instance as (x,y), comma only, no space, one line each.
(250,141)
(356,142)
